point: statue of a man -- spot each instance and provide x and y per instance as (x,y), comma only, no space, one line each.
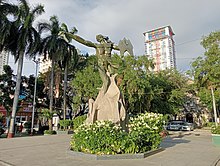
(109,104)
(103,48)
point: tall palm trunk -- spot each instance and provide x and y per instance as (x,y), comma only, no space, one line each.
(16,96)
(51,91)
(64,90)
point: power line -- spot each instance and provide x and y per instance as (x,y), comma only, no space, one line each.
(186,42)
(23,62)
(186,58)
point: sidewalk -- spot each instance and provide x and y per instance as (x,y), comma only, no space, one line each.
(181,149)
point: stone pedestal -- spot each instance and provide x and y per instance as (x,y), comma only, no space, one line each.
(108,105)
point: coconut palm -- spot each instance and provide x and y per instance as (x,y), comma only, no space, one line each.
(53,46)
(6,26)
(22,40)
(69,56)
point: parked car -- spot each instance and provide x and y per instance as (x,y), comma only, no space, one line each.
(175,125)
(187,126)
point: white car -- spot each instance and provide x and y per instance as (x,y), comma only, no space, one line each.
(175,125)
(187,126)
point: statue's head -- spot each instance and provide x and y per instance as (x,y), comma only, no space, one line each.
(101,38)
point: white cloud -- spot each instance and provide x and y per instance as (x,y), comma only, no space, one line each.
(128,18)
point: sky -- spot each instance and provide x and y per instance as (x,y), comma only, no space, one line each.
(190,20)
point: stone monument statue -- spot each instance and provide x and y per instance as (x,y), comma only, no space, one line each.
(109,104)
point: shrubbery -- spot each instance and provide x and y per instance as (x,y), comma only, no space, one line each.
(215,130)
(78,121)
(104,137)
(64,124)
(50,132)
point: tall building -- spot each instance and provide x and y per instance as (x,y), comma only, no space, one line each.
(160,47)
(4,56)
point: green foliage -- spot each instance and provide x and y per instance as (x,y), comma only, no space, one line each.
(205,69)
(79,120)
(50,132)
(169,91)
(86,82)
(209,124)
(162,92)
(65,123)
(27,124)
(7,86)
(145,131)
(215,130)
(104,137)
(46,113)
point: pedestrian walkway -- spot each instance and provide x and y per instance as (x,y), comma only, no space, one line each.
(181,149)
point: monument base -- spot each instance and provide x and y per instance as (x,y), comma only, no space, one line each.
(86,156)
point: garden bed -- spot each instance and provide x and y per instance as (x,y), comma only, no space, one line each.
(86,156)
(60,132)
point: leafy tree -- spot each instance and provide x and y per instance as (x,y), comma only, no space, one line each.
(134,75)
(7,85)
(143,90)
(205,70)
(169,91)
(85,84)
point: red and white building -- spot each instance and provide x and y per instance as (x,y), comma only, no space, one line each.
(160,47)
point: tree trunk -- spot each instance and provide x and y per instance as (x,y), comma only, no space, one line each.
(51,91)
(64,90)
(16,96)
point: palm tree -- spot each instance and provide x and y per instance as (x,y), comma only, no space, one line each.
(23,39)
(53,46)
(6,26)
(69,56)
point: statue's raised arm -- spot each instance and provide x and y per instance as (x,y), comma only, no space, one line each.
(82,41)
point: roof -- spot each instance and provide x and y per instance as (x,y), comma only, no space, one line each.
(161,28)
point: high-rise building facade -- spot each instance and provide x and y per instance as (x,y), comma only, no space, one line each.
(4,56)
(160,47)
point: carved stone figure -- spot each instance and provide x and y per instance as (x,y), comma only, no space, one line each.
(109,104)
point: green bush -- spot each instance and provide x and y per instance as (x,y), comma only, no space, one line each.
(78,121)
(50,132)
(209,124)
(215,130)
(104,137)
(65,123)
(27,125)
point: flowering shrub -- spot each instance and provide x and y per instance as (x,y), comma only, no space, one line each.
(104,137)
(144,131)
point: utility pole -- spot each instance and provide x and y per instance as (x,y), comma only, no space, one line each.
(34,100)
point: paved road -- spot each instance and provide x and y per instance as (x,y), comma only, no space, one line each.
(181,149)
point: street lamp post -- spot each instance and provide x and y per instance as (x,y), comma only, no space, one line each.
(34,101)
(214,106)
